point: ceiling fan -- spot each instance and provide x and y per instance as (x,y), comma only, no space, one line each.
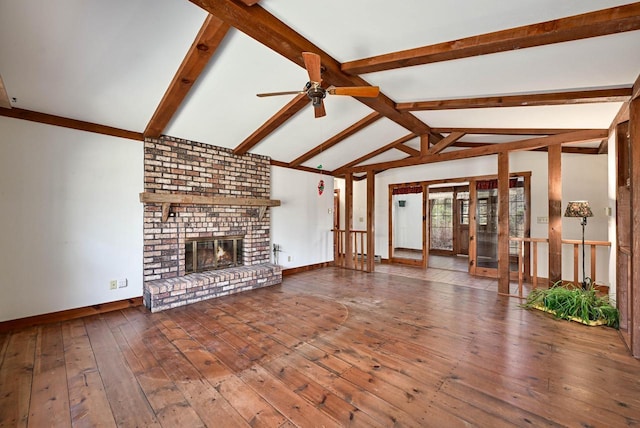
(317,93)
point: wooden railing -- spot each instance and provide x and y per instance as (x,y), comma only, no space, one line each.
(358,257)
(534,265)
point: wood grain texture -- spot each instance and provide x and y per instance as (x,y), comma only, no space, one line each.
(592,24)
(530,144)
(207,41)
(330,347)
(554,181)
(546,99)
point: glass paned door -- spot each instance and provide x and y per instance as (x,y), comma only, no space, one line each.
(441,224)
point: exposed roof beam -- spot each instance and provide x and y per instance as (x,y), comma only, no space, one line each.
(578,150)
(393,145)
(359,125)
(290,109)
(249,2)
(548,99)
(408,150)
(445,142)
(64,122)
(593,24)
(206,43)
(492,149)
(507,131)
(300,168)
(260,25)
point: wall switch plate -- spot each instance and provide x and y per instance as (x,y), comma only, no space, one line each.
(122,282)
(113,284)
(290,258)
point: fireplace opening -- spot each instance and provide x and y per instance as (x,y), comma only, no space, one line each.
(203,254)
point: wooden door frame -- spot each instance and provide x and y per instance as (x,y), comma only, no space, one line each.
(425,195)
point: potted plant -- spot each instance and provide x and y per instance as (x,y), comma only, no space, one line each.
(575,304)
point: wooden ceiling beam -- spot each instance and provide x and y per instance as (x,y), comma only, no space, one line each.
(64,122)
(249,2)
(508,131)
(577,150)
(260,25)
(300,168)
(593,24)
(359,125)
(290,109)
(492,149)
(547,99)
(204,46)
(408,150)
(393,145)
(445,142)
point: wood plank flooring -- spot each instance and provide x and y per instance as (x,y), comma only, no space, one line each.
(327,348)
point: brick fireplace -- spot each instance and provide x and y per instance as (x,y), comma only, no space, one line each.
(219,197)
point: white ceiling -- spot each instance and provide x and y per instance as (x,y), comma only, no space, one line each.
(110,62)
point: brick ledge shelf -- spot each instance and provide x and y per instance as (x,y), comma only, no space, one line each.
(168,293)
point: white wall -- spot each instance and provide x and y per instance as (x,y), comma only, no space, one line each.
(71,220)
(407,221)
(612,175)
(302,224)
(584,177)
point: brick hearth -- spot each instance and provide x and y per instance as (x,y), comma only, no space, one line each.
(175,166)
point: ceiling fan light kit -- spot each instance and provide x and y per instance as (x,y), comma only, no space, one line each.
(316,93)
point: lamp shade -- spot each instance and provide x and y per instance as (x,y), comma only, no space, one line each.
(578,209)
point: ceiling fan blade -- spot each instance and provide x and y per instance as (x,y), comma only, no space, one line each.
(4,97)
(356,91)
(319,110)
(275,94)
(312,64)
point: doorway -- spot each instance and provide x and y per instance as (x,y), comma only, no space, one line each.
(449,220)
(458,218)
(484,261)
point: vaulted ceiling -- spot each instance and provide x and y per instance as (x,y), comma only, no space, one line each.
(463,75)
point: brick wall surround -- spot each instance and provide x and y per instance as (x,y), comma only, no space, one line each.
(173,165)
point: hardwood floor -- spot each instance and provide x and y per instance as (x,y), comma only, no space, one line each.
(326,348)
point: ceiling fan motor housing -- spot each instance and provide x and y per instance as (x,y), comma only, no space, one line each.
(316,93)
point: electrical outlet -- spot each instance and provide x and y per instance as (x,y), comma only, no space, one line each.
(113,284)
(122,282)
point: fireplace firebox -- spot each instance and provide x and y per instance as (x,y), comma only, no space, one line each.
(204,254)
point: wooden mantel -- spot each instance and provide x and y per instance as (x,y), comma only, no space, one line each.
(166,199)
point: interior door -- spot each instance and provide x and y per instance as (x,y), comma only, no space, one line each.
(486,225)
(462,228)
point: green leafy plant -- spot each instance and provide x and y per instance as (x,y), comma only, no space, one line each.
(572,303)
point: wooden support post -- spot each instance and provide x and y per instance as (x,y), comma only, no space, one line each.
(555,213)
(371,237)
(473,227)
(424,144)
(634,280)
(503,223)
(426,222)
(348,220)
